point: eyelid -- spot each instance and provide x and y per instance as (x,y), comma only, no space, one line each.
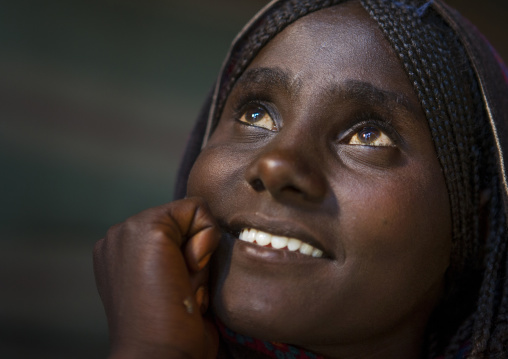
(381,140)
(371,121)
(242,99)
(241,107)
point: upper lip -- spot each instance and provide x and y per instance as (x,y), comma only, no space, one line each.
(278,227)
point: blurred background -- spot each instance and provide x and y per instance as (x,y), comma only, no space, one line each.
(96,101)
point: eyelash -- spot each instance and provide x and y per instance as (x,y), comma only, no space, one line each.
(244,104)
(359,122)
(250,98)
(370,120)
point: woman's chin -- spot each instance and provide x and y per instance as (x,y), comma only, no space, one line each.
(241,316)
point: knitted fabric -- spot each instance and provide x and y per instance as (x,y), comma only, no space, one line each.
(268,349)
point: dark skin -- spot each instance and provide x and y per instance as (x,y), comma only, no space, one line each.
(151,273)
(322,140)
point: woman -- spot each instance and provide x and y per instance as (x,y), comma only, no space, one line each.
(347,174)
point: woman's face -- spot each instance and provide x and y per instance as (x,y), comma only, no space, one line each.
(323,142)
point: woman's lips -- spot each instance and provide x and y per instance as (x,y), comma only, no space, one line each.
(265,239)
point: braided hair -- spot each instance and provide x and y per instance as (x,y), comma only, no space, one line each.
(445,83)
(474,309)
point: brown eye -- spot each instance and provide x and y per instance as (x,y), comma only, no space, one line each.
(259,117)
(370,136)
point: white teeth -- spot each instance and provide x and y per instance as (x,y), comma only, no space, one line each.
(278,242)
(294,244)
(306,249)
(250,235)
(317,253)
(263,239)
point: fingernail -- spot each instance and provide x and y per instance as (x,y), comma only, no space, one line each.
(204,261)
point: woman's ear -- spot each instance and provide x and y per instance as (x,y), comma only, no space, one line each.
(485,197)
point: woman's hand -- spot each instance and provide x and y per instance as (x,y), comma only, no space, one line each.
(152,274)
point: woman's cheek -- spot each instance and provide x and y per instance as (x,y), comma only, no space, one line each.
(213,174)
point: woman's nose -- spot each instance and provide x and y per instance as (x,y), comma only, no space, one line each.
(287,176)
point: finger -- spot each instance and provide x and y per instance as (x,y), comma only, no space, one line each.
(199,279)
(199,284)
(203,233)
(202,299)
(179,220)
(198,250)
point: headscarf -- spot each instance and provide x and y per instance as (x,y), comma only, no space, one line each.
(466,106)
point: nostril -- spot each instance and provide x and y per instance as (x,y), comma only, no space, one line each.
(257,184)
(285,178)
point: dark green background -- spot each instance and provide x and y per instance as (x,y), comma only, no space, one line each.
(96,100)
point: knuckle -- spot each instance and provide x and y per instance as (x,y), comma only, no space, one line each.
(97,248)
(113,231)
(150,227)
(156,235)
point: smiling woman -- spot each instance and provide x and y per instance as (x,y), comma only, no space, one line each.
(344,176)
(298,182)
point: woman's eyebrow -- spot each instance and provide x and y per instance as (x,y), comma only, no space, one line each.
(269,76)
(356,90)
(367,92)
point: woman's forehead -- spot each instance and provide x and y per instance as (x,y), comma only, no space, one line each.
(330,50)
